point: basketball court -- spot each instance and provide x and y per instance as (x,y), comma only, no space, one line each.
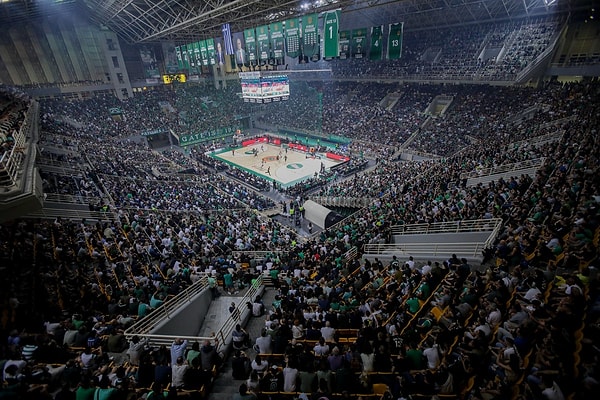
(284,165)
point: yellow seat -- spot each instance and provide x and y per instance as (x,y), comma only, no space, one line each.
(380,388)
(437,313)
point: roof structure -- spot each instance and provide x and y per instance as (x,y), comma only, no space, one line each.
(184,21)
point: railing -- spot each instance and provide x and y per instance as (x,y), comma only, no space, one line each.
(149,322)
(343,201)
(62,170)
(504,168)
(427,250)
(144,327)
(351,254)
(69,198)
(53,213)
(471,225)
(257,255)
(538,140)
(489,243)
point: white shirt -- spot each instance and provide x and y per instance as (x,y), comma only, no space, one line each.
(433,356)
(177,374)
(327,332)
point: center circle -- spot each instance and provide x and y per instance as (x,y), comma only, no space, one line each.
(294,166)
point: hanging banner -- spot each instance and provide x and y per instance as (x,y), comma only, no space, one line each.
(191,58)
(149,62)
(277,41)
(331,37)
(376,50)
(292,37)
(197,56)
(170,57)
(210,50)
(179,57)
(250,38)
(219,51)
(310,35)
(203,52)
(185,57)
(359,48)
(394,47)
(241,56)
(345,45)
(227,41)
(262,37)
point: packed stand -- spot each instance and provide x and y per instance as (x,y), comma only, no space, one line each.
(386,317)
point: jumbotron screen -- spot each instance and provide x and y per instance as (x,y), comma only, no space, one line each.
(264,89)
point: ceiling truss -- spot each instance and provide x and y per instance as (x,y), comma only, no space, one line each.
(184,21)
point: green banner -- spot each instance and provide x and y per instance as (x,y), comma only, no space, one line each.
(250,39)
(195,138)
(197,56)
(179,57)
(376,50)
(203,52)
(262,37)
(310,35)
(277,41)
(210,50)
(331,40)
(359,42)
(190,52)
(185,57)
(394,47)
(194,64)
(345,44)
(292,37)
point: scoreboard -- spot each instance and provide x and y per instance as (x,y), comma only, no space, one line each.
(264,89)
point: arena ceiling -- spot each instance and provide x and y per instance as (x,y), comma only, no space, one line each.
(184,21)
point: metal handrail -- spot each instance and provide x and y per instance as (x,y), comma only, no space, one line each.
(146,324)
(538,140)
(69,198)
(258,254)
(143,327)
(500,169)
(471,225)
(343,201)
(53,213)
(470,249)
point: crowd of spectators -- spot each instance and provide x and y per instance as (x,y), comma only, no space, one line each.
(101,277)
(461,53)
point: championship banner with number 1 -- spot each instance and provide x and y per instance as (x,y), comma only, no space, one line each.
(277,42)
(331,40)
(376,50)
(394,48)
(359,45)
(250,39)
(292,37)
(310,36)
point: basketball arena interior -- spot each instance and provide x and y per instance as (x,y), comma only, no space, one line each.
(315,199)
